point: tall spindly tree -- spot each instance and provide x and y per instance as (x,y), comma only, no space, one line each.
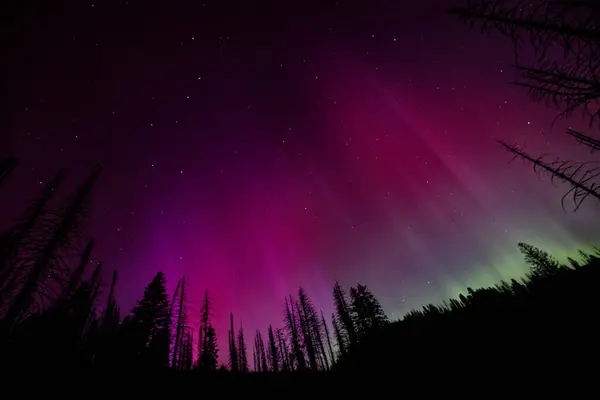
(233,348)
(344,315)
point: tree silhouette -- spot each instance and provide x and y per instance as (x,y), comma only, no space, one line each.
(178,304)
(233,351)
(286,362)
(205,318)
(339,335)
(575,174)
(273,351)
(203,335)
(307,320)
(61,232)
(542,264)
(366,310)
(242,352)
(567,80)
(584,140)
(343,315)
(20,240)
(328,338)
(260,354)
(210,354)
(291,324)
(150,323)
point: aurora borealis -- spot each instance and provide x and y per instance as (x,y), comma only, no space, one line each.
(258,149)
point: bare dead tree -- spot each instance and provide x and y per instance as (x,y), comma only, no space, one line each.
(20,237)
(60,232)
(580,176)
(569,81)
(545,25)
(568,88)
(563,71)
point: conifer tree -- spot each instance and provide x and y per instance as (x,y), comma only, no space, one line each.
(542,264)
(343,315)
(233,351)
(273,351)
(205,318)
(151,322)
(328,338)
(261,354)
(311,331)
(291,324)
(211,351)
(284,352)
(242,352)
(366,310)
(339,335)
(203,337)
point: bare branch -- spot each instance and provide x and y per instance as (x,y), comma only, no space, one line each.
(581,176)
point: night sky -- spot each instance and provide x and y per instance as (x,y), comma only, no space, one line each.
(256,149)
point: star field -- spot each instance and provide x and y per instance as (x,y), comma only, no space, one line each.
(256,149)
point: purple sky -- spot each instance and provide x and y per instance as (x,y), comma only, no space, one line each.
(258,149)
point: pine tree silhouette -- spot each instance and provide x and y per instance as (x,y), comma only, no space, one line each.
(343,315)
(291,324)
(542,264)
(284,351)
(273,351)
(242,351)
(366,310)
(210,355)
(151,324)
(233,351)
(205,361)
(328,338)
(339,335)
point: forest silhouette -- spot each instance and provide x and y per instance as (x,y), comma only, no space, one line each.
(52,317)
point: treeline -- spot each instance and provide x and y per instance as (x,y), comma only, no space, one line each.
(52,315)
(547,320)
(48,307)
